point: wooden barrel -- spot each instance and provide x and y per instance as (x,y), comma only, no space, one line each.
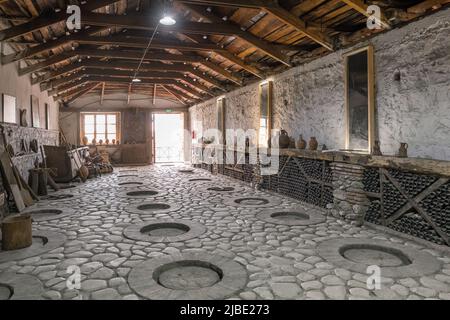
(16,232)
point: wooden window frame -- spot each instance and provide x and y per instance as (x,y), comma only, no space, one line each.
(118,124)
(370,96)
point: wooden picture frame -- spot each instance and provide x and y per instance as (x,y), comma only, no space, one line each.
(8,109)
(35,117)
(265,113)
(359,99)
(221,120)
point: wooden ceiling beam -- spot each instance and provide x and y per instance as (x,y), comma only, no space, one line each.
(175,95)
(46,20)
(178,71)
(50,45)
(218,28)
(82,92)
(252,4)
(136,42)
(129,75)
(361,7)
(185,58)
(109,79)
(280,13)
(301,26)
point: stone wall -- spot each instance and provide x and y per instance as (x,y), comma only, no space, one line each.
(349,198)
(309,99)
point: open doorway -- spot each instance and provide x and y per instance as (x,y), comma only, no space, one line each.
(168,139)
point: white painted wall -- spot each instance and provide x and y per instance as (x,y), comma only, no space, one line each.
(309,99)
(21,88)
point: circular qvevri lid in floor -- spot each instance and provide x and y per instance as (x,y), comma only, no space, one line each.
(188,276)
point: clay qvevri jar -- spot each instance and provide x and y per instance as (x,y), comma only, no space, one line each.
(313,144)
(301,143)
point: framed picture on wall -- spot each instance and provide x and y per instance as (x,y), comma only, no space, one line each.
(35,112)
(8,109)
(47,116)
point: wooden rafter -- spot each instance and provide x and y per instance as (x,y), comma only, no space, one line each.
(142,75)
(109,79)
(218,28)
(279,12)
(44,21)
(80,93)
(361,7)
(102,95)
(174,94)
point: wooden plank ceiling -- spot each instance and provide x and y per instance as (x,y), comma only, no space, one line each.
(215,46)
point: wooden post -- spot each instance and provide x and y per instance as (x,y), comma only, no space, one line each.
(16,232)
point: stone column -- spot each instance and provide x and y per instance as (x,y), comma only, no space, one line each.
(350,201)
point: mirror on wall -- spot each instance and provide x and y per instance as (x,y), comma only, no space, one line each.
(359,99)
(221,119)
(8,110)
(265,113)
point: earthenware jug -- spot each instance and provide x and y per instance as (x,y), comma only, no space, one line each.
(403,151)
(284,139)
(313,144)
(85,141)
(301,143)
(376,150)
(292,143)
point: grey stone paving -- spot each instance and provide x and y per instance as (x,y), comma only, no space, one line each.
(282,262)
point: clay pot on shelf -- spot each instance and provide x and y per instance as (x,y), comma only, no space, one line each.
(403,150)
(113,141)
(284,140)
(292,143)
(376,150)
(94,142)
(313,144)
(100,142)
(301,143)
(85,141)
(107,141)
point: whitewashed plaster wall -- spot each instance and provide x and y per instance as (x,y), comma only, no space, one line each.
(20,87)
(309,99)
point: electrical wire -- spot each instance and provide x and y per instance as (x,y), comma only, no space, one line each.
(145,52)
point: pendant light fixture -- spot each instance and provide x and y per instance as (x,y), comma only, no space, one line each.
(167,19)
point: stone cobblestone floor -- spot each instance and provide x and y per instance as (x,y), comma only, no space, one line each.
(281,261)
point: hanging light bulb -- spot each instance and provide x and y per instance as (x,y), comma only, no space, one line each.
(167,18)
(135,80)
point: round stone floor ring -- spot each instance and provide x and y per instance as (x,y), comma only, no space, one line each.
(256,201)
(165,230)
(292,216)
(154,207)
(142,193)
(188,276)
(48,213)
(395,260)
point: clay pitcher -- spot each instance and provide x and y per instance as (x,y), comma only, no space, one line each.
(284,140)
(376,150)
(301,143)
(85,141)
(292,143)
(403,150)
(313,144)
